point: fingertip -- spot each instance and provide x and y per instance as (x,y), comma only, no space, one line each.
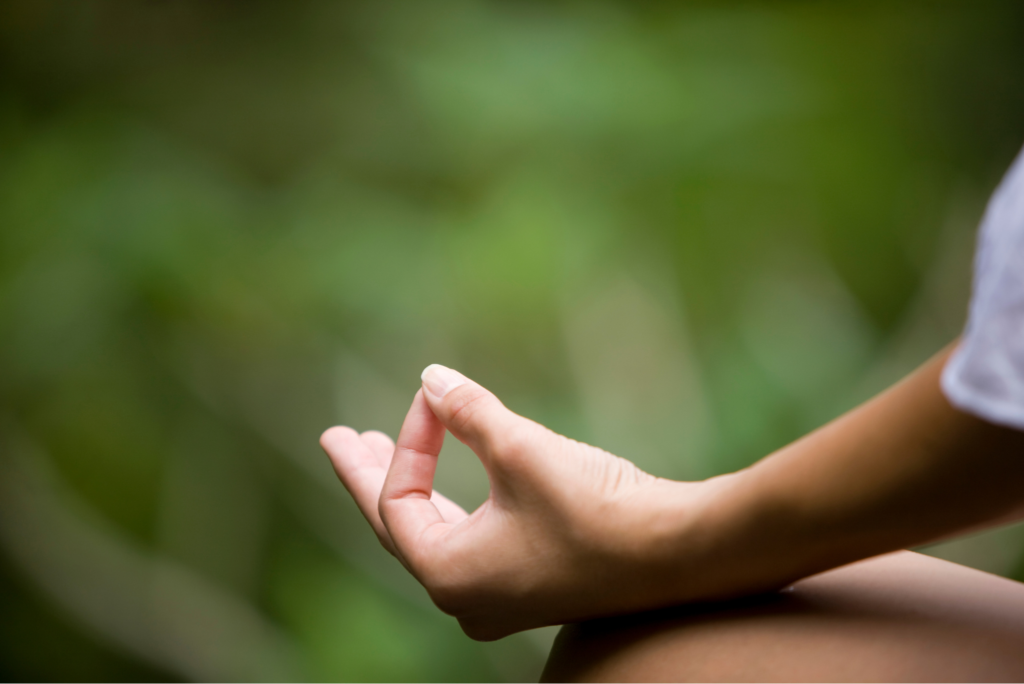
(333,435)
(380,444)
(439,380)
(428,370)
(376,435)
(477,418)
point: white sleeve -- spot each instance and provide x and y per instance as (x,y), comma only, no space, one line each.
(985,375)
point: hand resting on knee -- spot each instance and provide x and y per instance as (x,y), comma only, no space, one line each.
(571,532)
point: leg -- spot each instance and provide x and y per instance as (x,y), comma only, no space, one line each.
(898,617)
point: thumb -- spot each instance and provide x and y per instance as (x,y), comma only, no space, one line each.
(474,415)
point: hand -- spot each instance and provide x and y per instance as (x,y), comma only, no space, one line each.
(571,532)
(568,532)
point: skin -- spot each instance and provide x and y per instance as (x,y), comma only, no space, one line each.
(896,617)
(571,532)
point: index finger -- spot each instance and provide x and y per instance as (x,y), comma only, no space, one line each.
(405,505)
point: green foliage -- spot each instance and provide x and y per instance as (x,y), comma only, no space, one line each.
(687,234)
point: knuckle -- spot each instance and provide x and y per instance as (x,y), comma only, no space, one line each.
(513,445)
(464,405)
(477,414)
(510,449)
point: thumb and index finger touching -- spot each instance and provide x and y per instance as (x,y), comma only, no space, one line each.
(474,415)
(396,494)
(447,400)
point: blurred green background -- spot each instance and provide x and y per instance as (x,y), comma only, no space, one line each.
(685,232)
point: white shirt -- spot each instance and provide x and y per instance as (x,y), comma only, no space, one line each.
(985,376)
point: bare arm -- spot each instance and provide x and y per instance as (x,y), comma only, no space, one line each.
(571,532)
(903,469)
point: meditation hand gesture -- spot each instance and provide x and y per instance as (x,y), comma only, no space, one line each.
(571,532)
(568,532)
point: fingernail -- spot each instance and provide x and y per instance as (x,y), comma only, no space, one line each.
(439,380)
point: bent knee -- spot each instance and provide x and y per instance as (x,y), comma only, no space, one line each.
(901,616)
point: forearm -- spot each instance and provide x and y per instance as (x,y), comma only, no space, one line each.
(902,469)
(571,532)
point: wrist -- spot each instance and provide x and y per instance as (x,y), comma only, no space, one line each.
(733,540)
